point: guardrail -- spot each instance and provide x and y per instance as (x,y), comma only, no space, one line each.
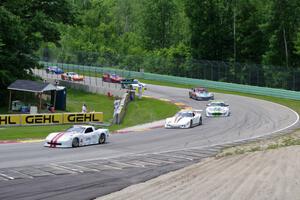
(274,92)
(121,109)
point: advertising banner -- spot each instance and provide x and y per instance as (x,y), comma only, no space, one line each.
(50,119)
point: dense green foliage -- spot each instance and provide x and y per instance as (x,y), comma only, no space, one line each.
(247,38)
(25,24)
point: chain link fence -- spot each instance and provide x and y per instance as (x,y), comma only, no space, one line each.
(230,72)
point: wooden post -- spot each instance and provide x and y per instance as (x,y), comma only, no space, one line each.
(9,101)
(54,101)
(40,107)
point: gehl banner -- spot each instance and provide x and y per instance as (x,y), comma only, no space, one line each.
(47,119)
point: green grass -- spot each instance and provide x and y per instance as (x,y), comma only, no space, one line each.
(146,110)
(30,132)
(94,102)
(75,99)
(138,112)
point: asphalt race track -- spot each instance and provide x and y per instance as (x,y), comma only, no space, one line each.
(31,171)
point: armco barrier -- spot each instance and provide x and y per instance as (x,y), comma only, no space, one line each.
(50,119)
(121,110)
(274,92)
(92,88)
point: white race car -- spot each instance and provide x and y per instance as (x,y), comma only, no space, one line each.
(217,108)
(135,84)
(185,119)
(76,136)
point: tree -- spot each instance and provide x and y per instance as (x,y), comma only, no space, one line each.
(250,39)
(25,24)
(211,25)
(282,29)
(158,19)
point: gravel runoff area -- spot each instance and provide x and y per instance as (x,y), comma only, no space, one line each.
(264,174)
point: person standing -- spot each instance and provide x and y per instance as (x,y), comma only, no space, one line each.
(84,109)
(140,91)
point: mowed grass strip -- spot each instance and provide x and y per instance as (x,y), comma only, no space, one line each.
(146,110)
(138,112)
(94,102)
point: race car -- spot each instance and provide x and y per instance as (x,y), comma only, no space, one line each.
(134,83)
(111,78)
(217,108)
(76,136)
(200,93)
(185,119)
(54,70)
(72,76)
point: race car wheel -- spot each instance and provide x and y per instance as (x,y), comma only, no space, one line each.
(75,143)
(102,139)
(191,123)
(200,121)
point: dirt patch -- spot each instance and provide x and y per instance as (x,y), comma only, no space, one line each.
(274,143)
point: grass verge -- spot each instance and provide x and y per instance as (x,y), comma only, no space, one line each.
(138,112)
(146,110)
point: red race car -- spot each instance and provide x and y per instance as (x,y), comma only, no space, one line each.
(72,76)
(112,78)
(200,93)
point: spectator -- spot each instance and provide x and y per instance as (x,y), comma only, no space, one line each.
(51,108)
(140,91)
(84,109)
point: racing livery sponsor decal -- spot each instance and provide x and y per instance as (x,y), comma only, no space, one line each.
(46,119)
(83,117)
(41,119)
(9,119)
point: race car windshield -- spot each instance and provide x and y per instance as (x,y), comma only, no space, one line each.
(200,90)
(185,114)
(75,129)
(218,104)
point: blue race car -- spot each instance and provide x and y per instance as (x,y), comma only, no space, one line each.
(54,70)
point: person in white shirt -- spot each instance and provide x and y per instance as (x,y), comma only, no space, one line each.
(84,109)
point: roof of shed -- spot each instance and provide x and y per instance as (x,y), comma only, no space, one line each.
(31,86)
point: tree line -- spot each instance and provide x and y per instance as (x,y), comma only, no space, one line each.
(245,41)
